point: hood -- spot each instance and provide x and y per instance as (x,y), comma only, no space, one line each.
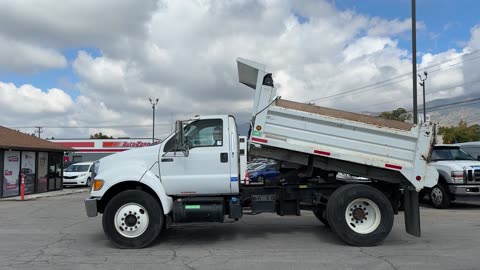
(143,157)
(459,164)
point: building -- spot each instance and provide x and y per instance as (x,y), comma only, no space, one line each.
(39,160)
(95,149)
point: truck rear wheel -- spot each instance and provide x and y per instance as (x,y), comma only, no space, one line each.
(132,219)
(360,215)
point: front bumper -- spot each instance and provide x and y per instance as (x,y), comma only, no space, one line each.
(91,207)
(465,190)
(75,182)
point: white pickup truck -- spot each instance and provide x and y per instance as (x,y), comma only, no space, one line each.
(193,175)
(459,176)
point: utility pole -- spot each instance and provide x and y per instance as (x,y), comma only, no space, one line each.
(414,62)
(153,123)
(39,130)
(422,84)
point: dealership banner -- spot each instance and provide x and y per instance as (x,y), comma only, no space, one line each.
(11,171)
(28,169)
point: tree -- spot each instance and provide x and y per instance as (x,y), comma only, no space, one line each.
(100,136)
(460,133)
(399,114)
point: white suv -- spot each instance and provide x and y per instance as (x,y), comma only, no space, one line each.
(78,174)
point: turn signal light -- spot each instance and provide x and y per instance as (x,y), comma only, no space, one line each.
(97,184)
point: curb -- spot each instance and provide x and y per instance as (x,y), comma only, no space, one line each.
(33,197)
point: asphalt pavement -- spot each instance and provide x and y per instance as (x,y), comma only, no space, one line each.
(54,233)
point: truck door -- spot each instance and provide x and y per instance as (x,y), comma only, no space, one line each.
(206,168)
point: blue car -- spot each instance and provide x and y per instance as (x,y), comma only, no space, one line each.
(265,171)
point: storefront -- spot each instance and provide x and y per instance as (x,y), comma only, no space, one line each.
(40,161)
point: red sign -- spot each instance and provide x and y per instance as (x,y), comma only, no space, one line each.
(77,144)
(13,159)
(125,144)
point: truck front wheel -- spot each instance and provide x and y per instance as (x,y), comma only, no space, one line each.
(439,196)
(132,219)
(360,215)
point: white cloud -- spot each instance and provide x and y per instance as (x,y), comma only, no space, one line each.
(28,99)
(23,57)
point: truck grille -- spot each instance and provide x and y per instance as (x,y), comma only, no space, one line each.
(473,175)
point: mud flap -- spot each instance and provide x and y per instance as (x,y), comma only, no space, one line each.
(412,212)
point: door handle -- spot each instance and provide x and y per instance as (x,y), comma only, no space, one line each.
(167,159)
(223,157)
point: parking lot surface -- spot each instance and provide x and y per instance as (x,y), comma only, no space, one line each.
(54,233)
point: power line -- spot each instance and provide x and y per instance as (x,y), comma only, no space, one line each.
(106,126)
(430,92)
(382,83)
(441,107)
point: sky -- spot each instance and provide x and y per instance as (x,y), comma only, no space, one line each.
(81,67)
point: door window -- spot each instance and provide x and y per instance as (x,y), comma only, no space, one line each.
(200,133)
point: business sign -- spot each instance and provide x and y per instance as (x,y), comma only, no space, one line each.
(11,167)
(125,144)
(104,145)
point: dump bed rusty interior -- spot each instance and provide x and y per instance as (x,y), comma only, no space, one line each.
(381,122)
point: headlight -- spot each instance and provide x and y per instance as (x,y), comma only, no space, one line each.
(96,167)
(458,177)
(82,175)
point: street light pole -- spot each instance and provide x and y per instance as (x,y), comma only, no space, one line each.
(414,62)
(153,112)
(422,83)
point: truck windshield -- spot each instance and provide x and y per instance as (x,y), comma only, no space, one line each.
(450,154)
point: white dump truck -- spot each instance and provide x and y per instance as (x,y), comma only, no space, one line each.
(193,175)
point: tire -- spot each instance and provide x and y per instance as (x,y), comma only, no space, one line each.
(360,215)
(439,197)
(318,212)
(120,207)
(89,182)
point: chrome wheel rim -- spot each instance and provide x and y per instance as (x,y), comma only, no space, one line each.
(437,196)
(131,220)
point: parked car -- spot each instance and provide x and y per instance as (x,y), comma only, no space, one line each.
(263,172)
(78,174)
(459,176)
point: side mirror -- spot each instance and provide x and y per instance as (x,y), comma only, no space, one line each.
(180,144)
(478,157)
